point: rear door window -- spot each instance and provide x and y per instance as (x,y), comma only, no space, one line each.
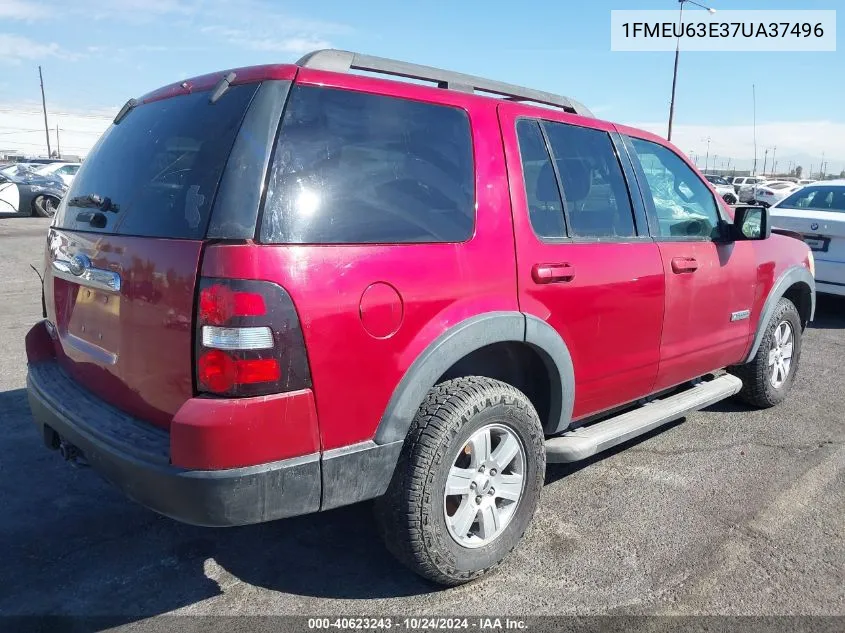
(351,167)
(156,172)
(594,189)
(594,201)
(545,207)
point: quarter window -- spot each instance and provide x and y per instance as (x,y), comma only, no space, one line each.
(352,167)
(683,204)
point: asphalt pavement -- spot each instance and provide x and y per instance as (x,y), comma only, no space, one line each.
(731,511)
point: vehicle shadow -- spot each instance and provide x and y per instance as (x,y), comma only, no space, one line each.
(830,312)
(71,544)
(556,472)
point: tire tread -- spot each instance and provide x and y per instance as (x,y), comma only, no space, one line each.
(401,517)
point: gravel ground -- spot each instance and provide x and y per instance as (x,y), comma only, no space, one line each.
(732,511)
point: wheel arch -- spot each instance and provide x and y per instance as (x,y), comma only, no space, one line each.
(484,344)
(797,285)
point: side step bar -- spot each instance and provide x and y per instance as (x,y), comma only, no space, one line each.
(588,440)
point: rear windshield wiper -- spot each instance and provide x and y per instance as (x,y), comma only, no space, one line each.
(221,88)
(94,201)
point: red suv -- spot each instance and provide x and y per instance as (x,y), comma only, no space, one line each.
(284,289)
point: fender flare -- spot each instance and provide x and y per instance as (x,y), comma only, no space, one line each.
(466,337)
(794,274)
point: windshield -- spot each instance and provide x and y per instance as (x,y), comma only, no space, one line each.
(830,198)
(717,180)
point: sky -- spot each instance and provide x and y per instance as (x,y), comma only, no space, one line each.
(96,54)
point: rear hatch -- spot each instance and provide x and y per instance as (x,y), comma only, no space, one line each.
(125,247)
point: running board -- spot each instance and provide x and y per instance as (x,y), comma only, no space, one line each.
(586,441)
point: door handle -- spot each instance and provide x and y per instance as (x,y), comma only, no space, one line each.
(684,265)
(551,273)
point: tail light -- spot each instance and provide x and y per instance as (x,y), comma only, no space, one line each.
(248,339)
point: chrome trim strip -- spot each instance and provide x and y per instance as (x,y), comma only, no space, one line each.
(739,316)
(98,278)
(95,351)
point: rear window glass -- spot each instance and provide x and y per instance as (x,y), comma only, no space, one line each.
(351,167)
(155,173)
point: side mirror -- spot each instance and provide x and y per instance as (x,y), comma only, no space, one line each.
(751,223)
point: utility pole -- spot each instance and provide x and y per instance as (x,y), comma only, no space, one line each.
(58,144)
(44,106)
(715,162)
(707,156)
(823,168)
(675,73)
(774,162)
(765,160)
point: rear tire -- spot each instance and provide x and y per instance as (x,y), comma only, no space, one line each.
(730,198)
(454,440)
(768,377)
(45,206)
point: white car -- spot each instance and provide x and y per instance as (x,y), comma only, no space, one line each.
(817,213)
(748,191)
(769,193)
(65,171)
(722,187)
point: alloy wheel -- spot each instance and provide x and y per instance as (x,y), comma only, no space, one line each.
(780,356)
(484,485)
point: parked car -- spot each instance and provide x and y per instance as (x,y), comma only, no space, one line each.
(768,193)
(748,191)
(816,213)
(414,294)
(65,171)
(723,188)
(24,192)
(739,182)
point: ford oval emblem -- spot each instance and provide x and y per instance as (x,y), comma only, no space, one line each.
(814,226)
(78,264)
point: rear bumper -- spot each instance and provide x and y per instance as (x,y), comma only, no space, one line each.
(135,457)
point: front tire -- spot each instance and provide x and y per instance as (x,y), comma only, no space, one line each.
(768,377)
(467,482)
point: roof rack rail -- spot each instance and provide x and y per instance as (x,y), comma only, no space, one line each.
(344,61)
